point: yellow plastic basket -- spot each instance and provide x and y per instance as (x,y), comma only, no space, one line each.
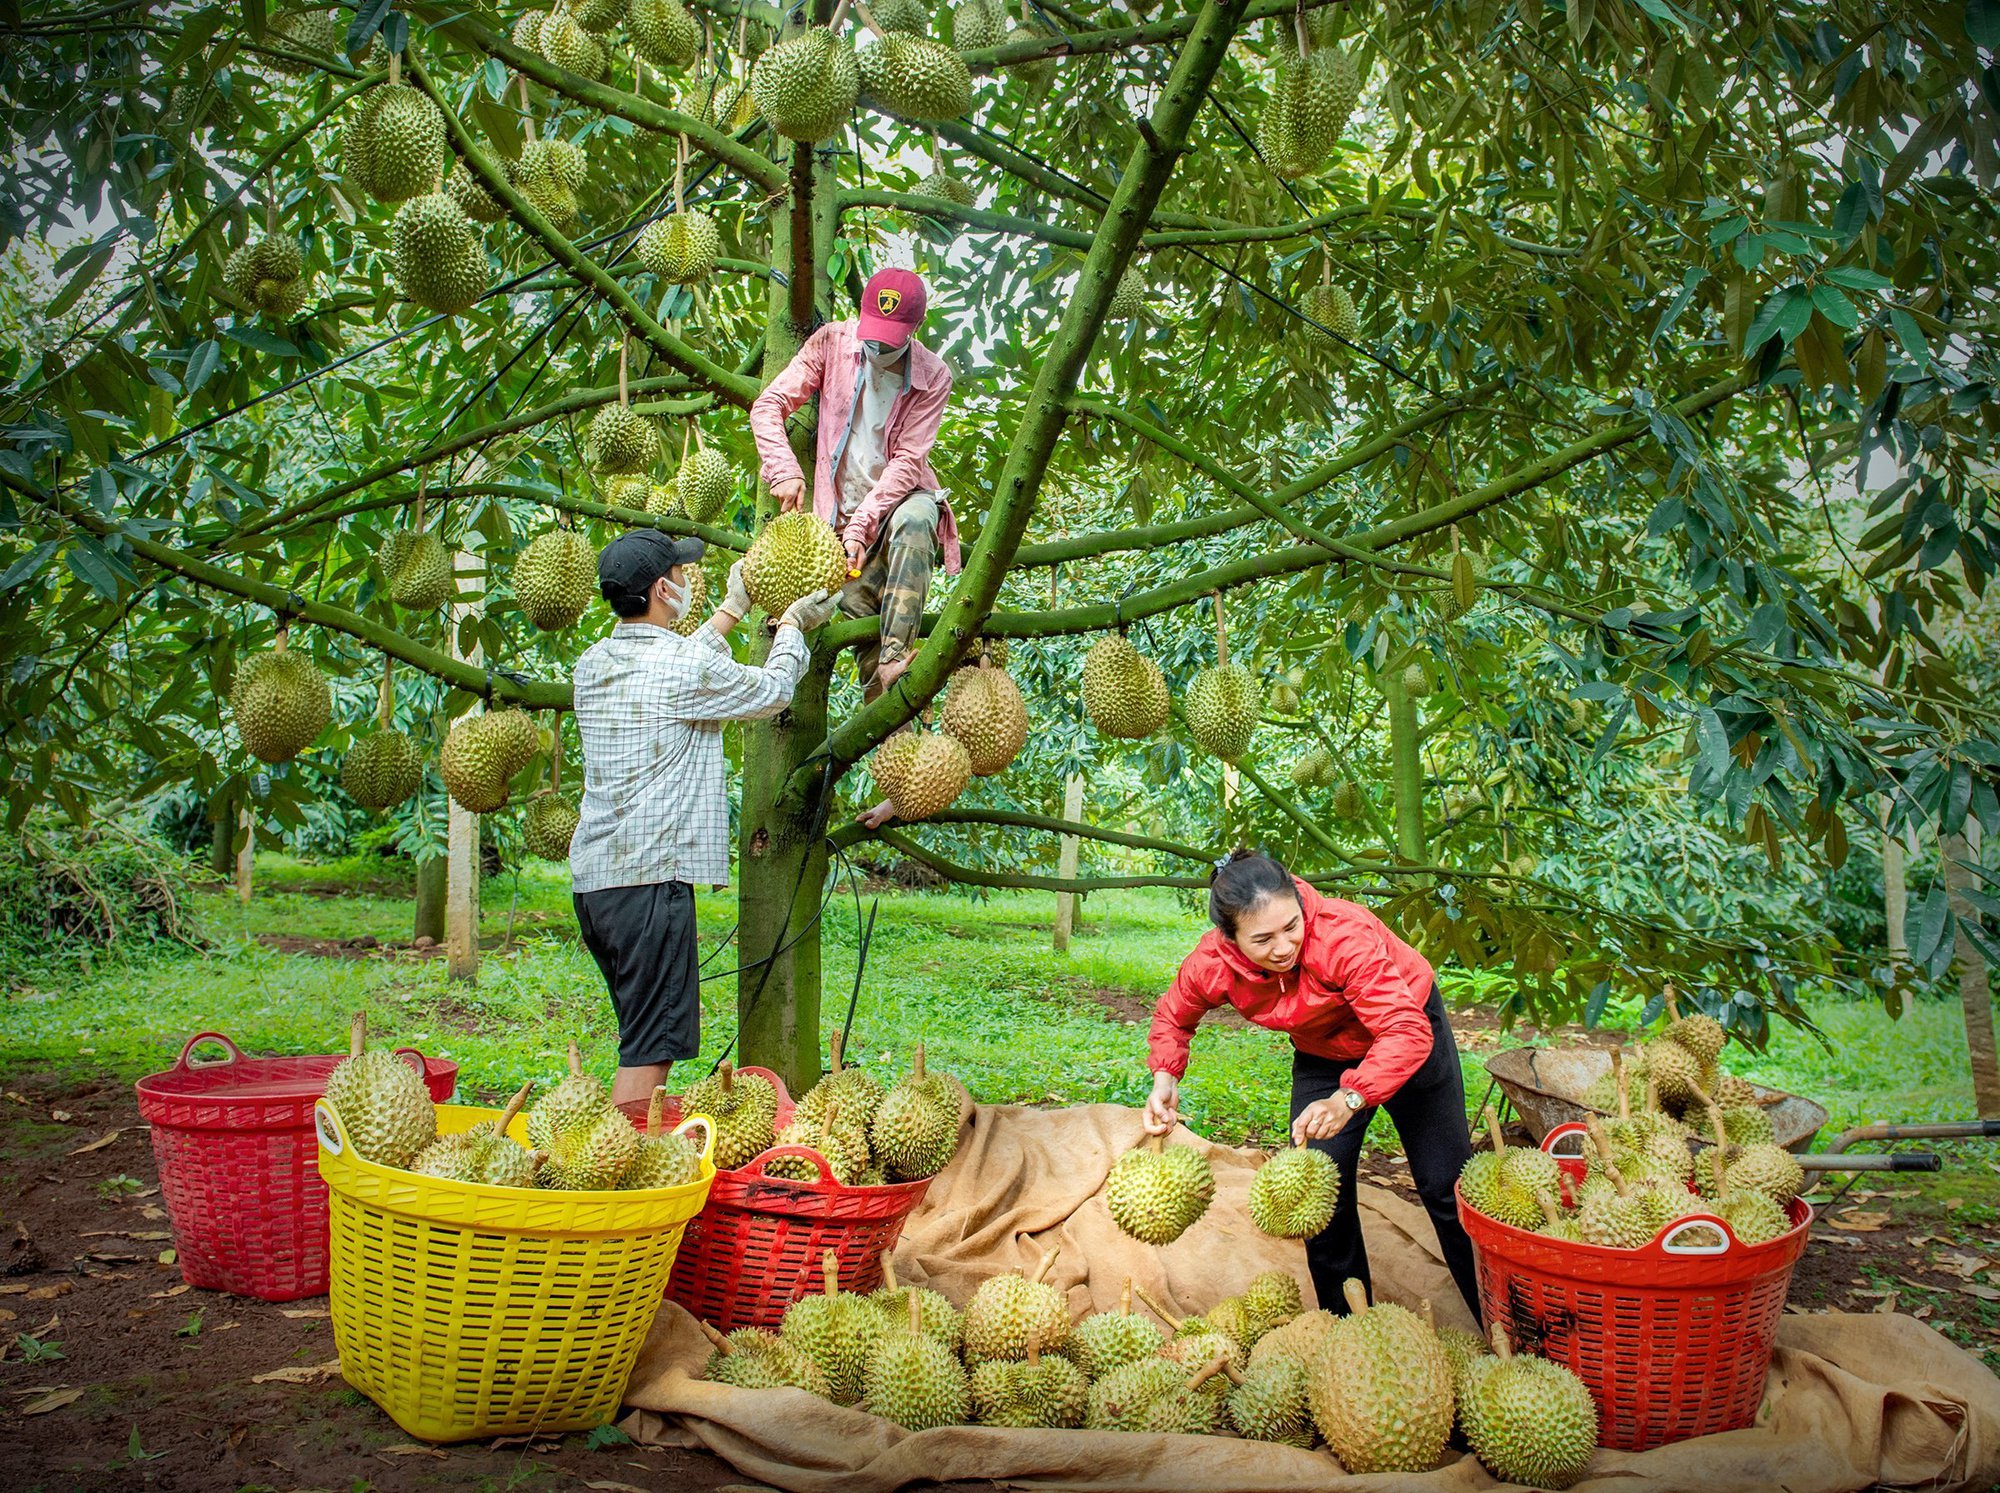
(465,1310)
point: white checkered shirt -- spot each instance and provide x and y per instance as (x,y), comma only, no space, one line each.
(650,705)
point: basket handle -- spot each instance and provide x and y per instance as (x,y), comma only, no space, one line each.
(326,1123)
(708,1134)
(756,1164)
(1697,1220)
(1563,1132)
(235,1053)
(417,1060)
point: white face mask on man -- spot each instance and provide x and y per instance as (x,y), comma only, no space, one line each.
(676,597)
(882,354)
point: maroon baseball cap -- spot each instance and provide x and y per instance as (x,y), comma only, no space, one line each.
(892,306)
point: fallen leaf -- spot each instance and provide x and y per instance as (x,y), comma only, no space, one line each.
(303,1374)
(310,1312)
(608,1485)
(6,1316)
(1954,1204)
(61,1116)
(97,1145)
(411,1449)
(1922,1313)
(168,1256)
(50,1402)
(1984,1293)
(1960,1264)
(17,1098)
(225,1326)
(149,1211)
(145,1234)
(171,1291)
(1888,1301)
(1860,1223)
(50,1293)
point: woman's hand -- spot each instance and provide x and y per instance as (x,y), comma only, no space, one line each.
(1321,1120)
(1163,1106)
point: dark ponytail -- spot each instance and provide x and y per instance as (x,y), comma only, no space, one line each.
(1240,882)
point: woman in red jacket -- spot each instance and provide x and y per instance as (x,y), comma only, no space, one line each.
(1368,1029)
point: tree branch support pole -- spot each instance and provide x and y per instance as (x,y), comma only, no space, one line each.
(1066,862)
(1406,767)
(461,898)
(1895,887)
(1975,989)
(246,852)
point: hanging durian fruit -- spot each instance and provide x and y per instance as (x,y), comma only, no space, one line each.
(914,76)
(1334,321)
(1311,99)
(267,274)
(550,173)
(806,85)
(664,32)
(683,246)
(279,701)
(621,440)
(1037,74)
(393,148)
(598,16)
(705,482)
(437,255)
(478,204)
(976,24)
(563,40)
(385,767)
(550,820)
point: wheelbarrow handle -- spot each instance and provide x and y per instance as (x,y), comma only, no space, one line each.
(1954,1130)
(1895,1161)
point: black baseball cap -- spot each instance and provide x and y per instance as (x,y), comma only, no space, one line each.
(631,563)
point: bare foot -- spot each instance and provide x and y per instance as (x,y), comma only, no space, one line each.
(878,816)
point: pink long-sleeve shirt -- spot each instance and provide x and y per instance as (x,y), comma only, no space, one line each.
(827,366)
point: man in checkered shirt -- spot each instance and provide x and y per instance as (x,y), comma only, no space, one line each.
(650,705)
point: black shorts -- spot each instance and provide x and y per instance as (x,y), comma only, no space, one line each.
(643,939)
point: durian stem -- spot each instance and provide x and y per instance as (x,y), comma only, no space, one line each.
(283,637)
(396,70)
(839,15)
(1034,1347)
(535,1160)
(1493,1132)
(1454,540)
(826,1124)
(385,699)
(1652,1092)
(1424,1311)
(1299,27)
(1125,1299)
(357,1034)
(654,1106)
(829,1269)
(1551,1209)
(1209,1370)
(1158,1307)
(716,1340)
(527,109)
(556,755)
(836,1049)
(624,373)
(514,1106)
(889,1271)
(868,17)
(1221,635)
(728,1075)
(575,1059)
(1048,1263)
(1618,1180)
(917,1316)
(680,174)
(917,1065)
(1154,1143)
(1501,1346)
(1624,1087)
(1355,1294)
(1236,1375)
(1325,266)
(270,207)
(1673,1003)
(937,159)
(1598,1138)
(1721,1147)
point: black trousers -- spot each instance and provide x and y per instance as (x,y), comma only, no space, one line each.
(1429,1113)
(643,939)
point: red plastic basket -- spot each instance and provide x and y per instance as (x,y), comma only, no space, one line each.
(239,1165)
(1673,1339)
(756,1247)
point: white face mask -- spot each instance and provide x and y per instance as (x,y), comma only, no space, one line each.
(677,597)
(881,354)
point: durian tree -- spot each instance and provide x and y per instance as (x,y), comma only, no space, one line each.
(1575,423)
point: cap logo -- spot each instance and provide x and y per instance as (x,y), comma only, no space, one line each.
(887,299)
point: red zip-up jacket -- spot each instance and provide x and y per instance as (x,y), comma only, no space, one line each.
(1356,995)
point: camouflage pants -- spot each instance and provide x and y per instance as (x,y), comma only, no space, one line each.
(895,580)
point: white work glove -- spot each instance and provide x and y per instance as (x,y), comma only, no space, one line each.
(736,601)
(810,612)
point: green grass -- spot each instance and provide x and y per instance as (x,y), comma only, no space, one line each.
(976,981)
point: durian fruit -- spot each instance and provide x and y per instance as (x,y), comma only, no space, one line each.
(911,17)
(706,482)
(1380,1391)
(1334,319)
(940,1319)
(563,40)
(983,708)
(279,702)
(436,254)
(681,247)
(844,1148)
(548,825)
(1272,1299)
(1007,1312)
(1222,706)
(494,1158)
(836,1330)
(1460,1348)
(1758,1167)
(1556,1224)
(1037,74)
(311,31)
(1155,1195)
(731,105)
(1157,1394)
(913,1379)
(1103,1341)
(1674,1070)
(621,440)
(921,772)
(794,555)
(914,1131)
(1747,1125)
(393,147)
(382,769)
(1701,1034)
(1314,769)
(1503,1183)
(858,1091)
(1267,1402)
(1530,1421)
(942,183)
(1732,1092)
(1309,106)
(590,1145)
(555,578)
(664,1159)
(978,24)
(1232,1319)
(664,32)
(597,16)
(1124,693)
(1294,1193)
(751,1358)
(1301,1338)
(628,490)
(1035,1393)
(1129,298)
(1624,1218)
(479,759)
(1349,800)
(807,84)
(916,78)
(416,569)
(516,737)
(448,1158)
(549,174)
(1193,1349)
(743,1107)
(383,1105)
(268,274)
(470,193)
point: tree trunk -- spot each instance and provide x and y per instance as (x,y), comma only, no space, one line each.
(1406,767)
(1895,890)
(1066,863)
(431,882)
(781,872)
(222,845)
(1975,991)
(246,854)
(461,900)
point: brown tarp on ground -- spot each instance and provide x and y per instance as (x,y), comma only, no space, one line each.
(1852,1401)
